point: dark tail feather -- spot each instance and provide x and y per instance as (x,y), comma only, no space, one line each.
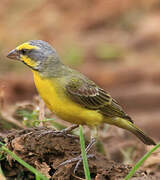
(143,137)
(128,125)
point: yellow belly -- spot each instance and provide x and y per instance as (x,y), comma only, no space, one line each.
(58,102)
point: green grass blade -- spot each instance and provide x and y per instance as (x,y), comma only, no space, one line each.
(139,163)
(84,156)
(1,174)
(23,163)
(38,178)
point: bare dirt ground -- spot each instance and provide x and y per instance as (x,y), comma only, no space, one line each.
(50,148)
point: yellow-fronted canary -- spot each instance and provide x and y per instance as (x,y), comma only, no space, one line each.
(70,94)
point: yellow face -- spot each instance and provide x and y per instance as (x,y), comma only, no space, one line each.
(23,57)
(23,53)
(33,53)
(26,46)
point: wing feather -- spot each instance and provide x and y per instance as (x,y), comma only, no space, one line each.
(89,95)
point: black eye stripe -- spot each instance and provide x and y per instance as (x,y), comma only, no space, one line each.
(25,51)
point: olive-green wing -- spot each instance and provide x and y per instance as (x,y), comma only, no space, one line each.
(89,95)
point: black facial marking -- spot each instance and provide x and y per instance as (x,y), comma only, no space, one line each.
(34,68)
(41,54)
(23,51)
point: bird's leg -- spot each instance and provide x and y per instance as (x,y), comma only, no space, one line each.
(92,142)
(94,135)
(41,112)
(63,132)
(79,158)
(69,129)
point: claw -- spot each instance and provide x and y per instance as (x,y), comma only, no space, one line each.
(63,132)
(79,158)
(69,129)
(69,161)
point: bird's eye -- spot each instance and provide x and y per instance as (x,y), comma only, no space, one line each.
(23,51)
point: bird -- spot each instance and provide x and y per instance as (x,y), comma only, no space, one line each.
(71,95)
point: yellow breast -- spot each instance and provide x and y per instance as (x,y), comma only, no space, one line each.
(58,102)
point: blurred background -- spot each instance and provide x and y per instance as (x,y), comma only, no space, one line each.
(116,43)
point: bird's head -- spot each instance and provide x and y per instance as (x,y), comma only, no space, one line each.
(33,53)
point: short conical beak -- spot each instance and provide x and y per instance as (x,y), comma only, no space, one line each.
(13,54)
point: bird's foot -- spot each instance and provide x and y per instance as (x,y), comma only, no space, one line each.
(69,129)
(63,132)
(79,158)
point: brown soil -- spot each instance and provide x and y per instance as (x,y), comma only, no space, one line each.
(45,149)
